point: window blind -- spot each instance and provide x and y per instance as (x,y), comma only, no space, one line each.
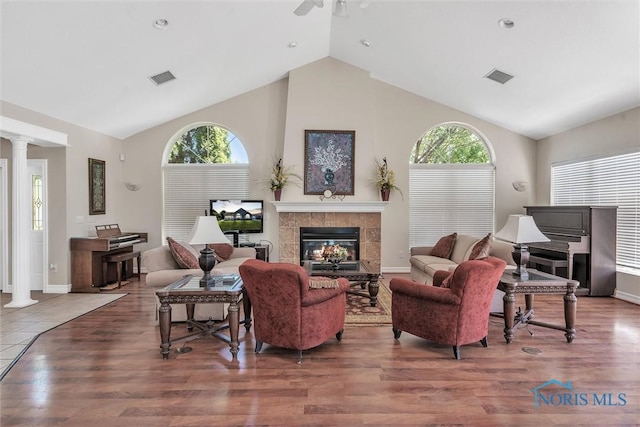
(187,190)
(609,181)
(450,198)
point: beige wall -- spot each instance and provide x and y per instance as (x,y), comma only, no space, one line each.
(327,94)
(617,134)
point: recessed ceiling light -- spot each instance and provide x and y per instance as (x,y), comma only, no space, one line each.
(293,44)
(160,24)
(365,43)
(506,23)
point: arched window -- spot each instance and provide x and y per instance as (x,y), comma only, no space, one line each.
(451,185)
(200,163)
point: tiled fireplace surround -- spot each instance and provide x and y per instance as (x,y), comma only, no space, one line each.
(290,223)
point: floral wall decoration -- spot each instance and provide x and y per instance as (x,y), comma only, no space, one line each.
(329,161)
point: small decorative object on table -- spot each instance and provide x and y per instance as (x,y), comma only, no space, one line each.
(334,254)
(385,179)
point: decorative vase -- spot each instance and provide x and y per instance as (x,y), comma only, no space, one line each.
(277,193)
(385,194)
(328,177)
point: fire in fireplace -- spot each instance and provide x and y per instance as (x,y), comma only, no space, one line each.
(313,240)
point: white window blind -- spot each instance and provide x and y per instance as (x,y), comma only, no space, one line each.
(610,181)
(450,198)
(188,189)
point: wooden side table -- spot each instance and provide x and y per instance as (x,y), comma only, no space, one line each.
(538,283)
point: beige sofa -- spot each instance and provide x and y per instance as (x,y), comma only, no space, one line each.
(162,270)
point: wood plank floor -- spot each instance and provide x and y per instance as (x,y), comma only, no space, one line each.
(105,369)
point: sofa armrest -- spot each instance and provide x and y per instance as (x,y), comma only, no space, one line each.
(418,290)
(421,250)
(244,252)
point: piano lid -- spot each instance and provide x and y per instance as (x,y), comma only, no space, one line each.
(563,220)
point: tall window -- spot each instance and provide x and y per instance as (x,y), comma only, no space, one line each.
(205,162)
(451,185)
(609,181)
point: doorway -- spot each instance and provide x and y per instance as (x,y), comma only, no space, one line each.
(39,274)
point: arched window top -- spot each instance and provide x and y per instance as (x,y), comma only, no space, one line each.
(450,143)
(207,144)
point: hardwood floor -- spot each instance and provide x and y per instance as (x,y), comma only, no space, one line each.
(105,369)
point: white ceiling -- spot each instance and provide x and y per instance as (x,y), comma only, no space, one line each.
(88,62)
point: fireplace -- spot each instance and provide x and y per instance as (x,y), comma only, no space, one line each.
(314,239)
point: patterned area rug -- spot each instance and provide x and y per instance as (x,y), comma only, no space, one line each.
(360,312)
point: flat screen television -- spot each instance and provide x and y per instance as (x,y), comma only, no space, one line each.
(243,216)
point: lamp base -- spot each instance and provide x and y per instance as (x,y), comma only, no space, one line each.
(207,261)
(521,258)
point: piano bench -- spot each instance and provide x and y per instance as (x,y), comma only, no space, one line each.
(120,260)
(549,262)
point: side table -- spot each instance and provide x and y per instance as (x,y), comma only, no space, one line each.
(538,283)
(228,289)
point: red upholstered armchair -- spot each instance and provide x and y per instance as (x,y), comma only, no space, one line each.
(455,311)
(287,313)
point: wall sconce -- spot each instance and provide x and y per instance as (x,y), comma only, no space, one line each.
(132,187)
(520,186)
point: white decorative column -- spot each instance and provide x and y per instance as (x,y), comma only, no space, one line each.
(21,295)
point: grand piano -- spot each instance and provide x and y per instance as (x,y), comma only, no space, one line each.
(87,253)
(583,236)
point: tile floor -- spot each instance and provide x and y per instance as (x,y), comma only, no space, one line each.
(20,326)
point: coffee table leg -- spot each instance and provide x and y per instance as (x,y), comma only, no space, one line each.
(374,286)
(509,305)
(570,308)
(234,328)
(164,317)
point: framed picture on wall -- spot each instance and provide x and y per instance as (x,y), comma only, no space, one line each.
(329,161)
(97,174)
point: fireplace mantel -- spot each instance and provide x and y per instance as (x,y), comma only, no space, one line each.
(330,206)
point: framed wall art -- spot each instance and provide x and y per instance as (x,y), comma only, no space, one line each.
(329,161)
(97,174)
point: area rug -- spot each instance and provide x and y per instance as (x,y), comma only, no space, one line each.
(360,312)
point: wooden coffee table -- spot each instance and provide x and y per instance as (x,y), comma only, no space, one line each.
(187,290)
(537,283)
(360,274)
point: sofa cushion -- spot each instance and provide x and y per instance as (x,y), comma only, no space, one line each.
(425,262)
(183,253)
(444,247)
(464,243)
(482,248)
(222,251)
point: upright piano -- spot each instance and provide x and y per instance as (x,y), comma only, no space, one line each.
(584,236)
(87,253)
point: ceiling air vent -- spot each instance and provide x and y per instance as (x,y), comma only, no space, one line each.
(499,76)
(161,78)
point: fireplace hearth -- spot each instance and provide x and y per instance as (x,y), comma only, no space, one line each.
(313,240)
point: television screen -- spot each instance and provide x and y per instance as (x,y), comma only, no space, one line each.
(243,216)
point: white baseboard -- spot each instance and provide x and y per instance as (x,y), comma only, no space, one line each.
(635,299)
(58,289)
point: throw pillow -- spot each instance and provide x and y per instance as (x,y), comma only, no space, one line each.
(444,247)
(446,283)
(482,248)
(322,283)
(223,250)
(184,254)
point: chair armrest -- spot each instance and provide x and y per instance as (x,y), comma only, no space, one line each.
(316,296)
(439,276)
(421,250)
(426,292)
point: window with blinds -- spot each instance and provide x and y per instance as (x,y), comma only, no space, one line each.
(450,198)
(609,181)
(188,189)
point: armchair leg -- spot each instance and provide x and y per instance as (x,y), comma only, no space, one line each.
(299,361)
(456,352)
(484,343)
(339,334)
(258,346)
(396,333)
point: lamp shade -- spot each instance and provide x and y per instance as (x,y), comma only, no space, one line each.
(521,229)
(206,230)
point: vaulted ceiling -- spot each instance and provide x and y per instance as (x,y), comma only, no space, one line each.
(89,62)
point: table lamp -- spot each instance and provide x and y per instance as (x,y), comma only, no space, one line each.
(521,229)
(205,231)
